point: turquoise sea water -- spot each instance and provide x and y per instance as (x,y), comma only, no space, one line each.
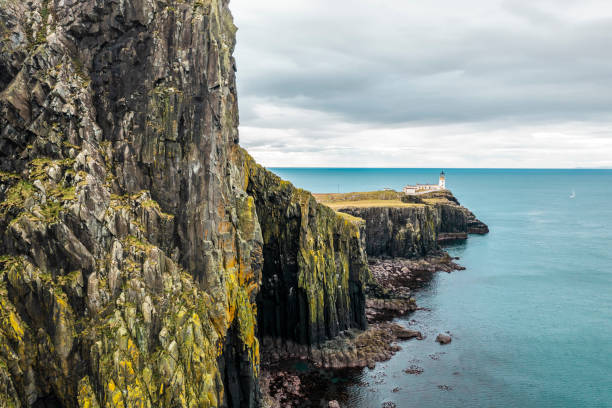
(531,316)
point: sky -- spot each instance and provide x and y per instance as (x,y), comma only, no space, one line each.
(437,83)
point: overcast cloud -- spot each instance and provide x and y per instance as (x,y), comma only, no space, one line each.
(441,83)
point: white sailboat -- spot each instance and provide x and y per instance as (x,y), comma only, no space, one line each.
(573,195)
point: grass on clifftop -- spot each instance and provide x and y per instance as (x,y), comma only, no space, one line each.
(350,218)
(370,203)
(440,200)
(382,198)
(358,196)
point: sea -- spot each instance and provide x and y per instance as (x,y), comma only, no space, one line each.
(530,316)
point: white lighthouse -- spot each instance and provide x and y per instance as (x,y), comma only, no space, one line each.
(442,181)
(426,188)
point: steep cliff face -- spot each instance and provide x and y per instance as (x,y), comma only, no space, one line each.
(407,232)
(407,226)
(456,221)
(131,254)
(315,266)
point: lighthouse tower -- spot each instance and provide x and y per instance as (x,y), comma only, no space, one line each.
(442,181)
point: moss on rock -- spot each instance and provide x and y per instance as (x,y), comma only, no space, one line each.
(315,267)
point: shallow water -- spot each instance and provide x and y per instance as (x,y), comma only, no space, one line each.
(531,316)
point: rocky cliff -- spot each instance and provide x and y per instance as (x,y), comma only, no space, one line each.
(407,226)
(315,265)
(140,246)
(403,231)
(456,221)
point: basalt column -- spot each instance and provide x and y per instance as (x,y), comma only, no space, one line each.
(315,266)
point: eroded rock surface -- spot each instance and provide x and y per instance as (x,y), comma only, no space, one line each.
(134,232)
(315,266)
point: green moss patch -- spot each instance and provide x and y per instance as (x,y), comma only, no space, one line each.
(16,197)
(350,218)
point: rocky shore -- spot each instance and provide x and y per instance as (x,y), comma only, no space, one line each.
(389,296)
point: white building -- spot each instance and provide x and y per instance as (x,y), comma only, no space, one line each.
(426,188)
(408,190)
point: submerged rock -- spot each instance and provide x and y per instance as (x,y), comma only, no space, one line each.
(414,370)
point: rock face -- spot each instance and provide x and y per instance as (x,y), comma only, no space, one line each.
(315,266)
(414,229)
(456,221)
(408,232)
(131,245)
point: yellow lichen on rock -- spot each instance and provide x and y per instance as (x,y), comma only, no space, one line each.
(86,397)
(320,259)
(135,232)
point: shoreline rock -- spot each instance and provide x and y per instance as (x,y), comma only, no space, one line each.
(415,232)
(389,296)
(352,349)
(443,338)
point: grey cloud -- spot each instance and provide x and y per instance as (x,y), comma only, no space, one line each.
(547,68)
(317,79)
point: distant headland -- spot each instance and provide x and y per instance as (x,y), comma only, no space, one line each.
(407,225)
